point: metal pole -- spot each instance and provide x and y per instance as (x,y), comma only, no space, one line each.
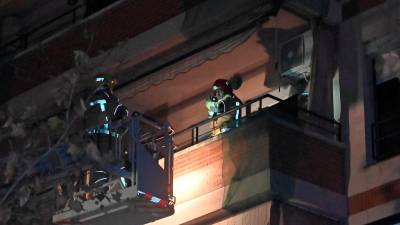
(193,136)
(197,134)
(248,110)
(171,167)
(134,133)
(169,160)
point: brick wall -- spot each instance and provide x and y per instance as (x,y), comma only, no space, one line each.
(202,167)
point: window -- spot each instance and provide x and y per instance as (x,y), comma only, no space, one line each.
(391,220)
(386,128)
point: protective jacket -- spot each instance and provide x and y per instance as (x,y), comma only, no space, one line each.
(103,107)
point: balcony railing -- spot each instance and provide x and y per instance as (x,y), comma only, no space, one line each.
(45,30)
(24,40)
(291,111)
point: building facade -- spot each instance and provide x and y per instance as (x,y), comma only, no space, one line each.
(318,140)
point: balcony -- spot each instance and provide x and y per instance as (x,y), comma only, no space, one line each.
(275,153)
(50,46)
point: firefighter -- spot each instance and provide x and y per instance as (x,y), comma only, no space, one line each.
(103,108)
(223,100)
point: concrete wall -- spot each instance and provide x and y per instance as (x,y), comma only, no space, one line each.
(373,186)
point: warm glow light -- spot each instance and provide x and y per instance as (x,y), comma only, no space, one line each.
(186,186)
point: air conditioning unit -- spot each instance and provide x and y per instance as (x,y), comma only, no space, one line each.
(295,57)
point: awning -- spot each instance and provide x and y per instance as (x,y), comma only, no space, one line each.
(211,29)
(185,65)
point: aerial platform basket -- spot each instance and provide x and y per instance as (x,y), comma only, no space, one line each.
(138,195)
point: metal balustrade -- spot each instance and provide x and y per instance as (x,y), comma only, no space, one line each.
(41,32)
(23,41)
(203,130)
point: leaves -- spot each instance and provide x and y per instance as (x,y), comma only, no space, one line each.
(80,110)
(75,151)
(8,122)
(55,126)
(81,59)
(11,167)
(5,215)
(24,194)
(3,117)
(61,197)
(18,130)
(92,152)
(28,112)
(55,123)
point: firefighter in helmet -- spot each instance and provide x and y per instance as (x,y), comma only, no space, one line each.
(223,100)
(103,108)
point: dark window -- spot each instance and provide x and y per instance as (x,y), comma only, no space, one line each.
(386,128)
(391,220)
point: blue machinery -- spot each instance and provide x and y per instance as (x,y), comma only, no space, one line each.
(139,194)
